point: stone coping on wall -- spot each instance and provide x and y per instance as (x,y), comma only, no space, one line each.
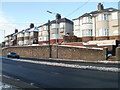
(58,46)
(80,47)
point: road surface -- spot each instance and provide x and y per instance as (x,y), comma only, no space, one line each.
(47,76)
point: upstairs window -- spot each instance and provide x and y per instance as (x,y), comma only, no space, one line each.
(105,17)
(53,25)
(102,17)
(45,27)
(99,17)
(76,22)
(114,15)
(62,27)
(87,19)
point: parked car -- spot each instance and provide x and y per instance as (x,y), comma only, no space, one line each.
(13,55)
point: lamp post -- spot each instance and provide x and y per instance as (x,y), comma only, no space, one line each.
(56,32)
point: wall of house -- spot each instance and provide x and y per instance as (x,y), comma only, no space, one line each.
(113,25)
(63,52)
(98,26)
(76,28)
(69,28)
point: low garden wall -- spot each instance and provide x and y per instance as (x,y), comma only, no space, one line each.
(62,52)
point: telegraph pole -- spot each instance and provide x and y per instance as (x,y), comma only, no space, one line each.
(57,19)
(49,38)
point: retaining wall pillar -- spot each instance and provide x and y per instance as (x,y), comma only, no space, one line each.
(118,53)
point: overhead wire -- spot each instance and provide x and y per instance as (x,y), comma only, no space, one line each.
(77,9)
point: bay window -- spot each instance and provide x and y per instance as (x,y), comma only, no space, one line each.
(103,32)
(87,32)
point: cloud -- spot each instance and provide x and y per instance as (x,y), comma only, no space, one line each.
(6,26)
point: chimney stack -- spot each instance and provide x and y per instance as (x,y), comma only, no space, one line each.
(100,7)
(58,16)
(16,30)
(31,25)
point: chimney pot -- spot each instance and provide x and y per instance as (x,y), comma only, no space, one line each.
(100,6)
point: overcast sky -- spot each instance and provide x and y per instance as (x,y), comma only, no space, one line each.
(20,14)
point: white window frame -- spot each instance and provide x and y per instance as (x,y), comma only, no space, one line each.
(31,33)
(54,36)
(103,32)
(27,34)
(86,32)
(105,17)
(26,41)
(102,17)
(87,19)
(76,22)
(53,25)
(114,15)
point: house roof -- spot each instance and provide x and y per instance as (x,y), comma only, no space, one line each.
(62,20)
(54,21)
(98,11)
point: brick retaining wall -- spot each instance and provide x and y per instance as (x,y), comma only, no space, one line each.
(63,52)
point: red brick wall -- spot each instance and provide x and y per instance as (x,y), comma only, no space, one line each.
(63,52)
(115,37)
(86,39)
(102,38)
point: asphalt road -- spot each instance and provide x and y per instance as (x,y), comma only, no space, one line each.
(45,76)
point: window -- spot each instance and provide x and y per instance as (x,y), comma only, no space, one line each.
(99,17)
(53,30)
(102,17)
(76,22)
(62,27)
(87,19)
(87,32)
(31,33)
(105,17)
(41,28)
(45,27)
(27,34)
(21,42)
(26,41)
(61,30)
(114,15)
(77,28)
(40,33)
(103,32)
(54,36)
(45,38)
(21,35)
(40,38)
(53,25)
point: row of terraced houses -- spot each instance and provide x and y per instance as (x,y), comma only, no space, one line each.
(102,24)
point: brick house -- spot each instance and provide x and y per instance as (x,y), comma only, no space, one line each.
(28,36)
(11,40)
(63,27)
(102,24)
